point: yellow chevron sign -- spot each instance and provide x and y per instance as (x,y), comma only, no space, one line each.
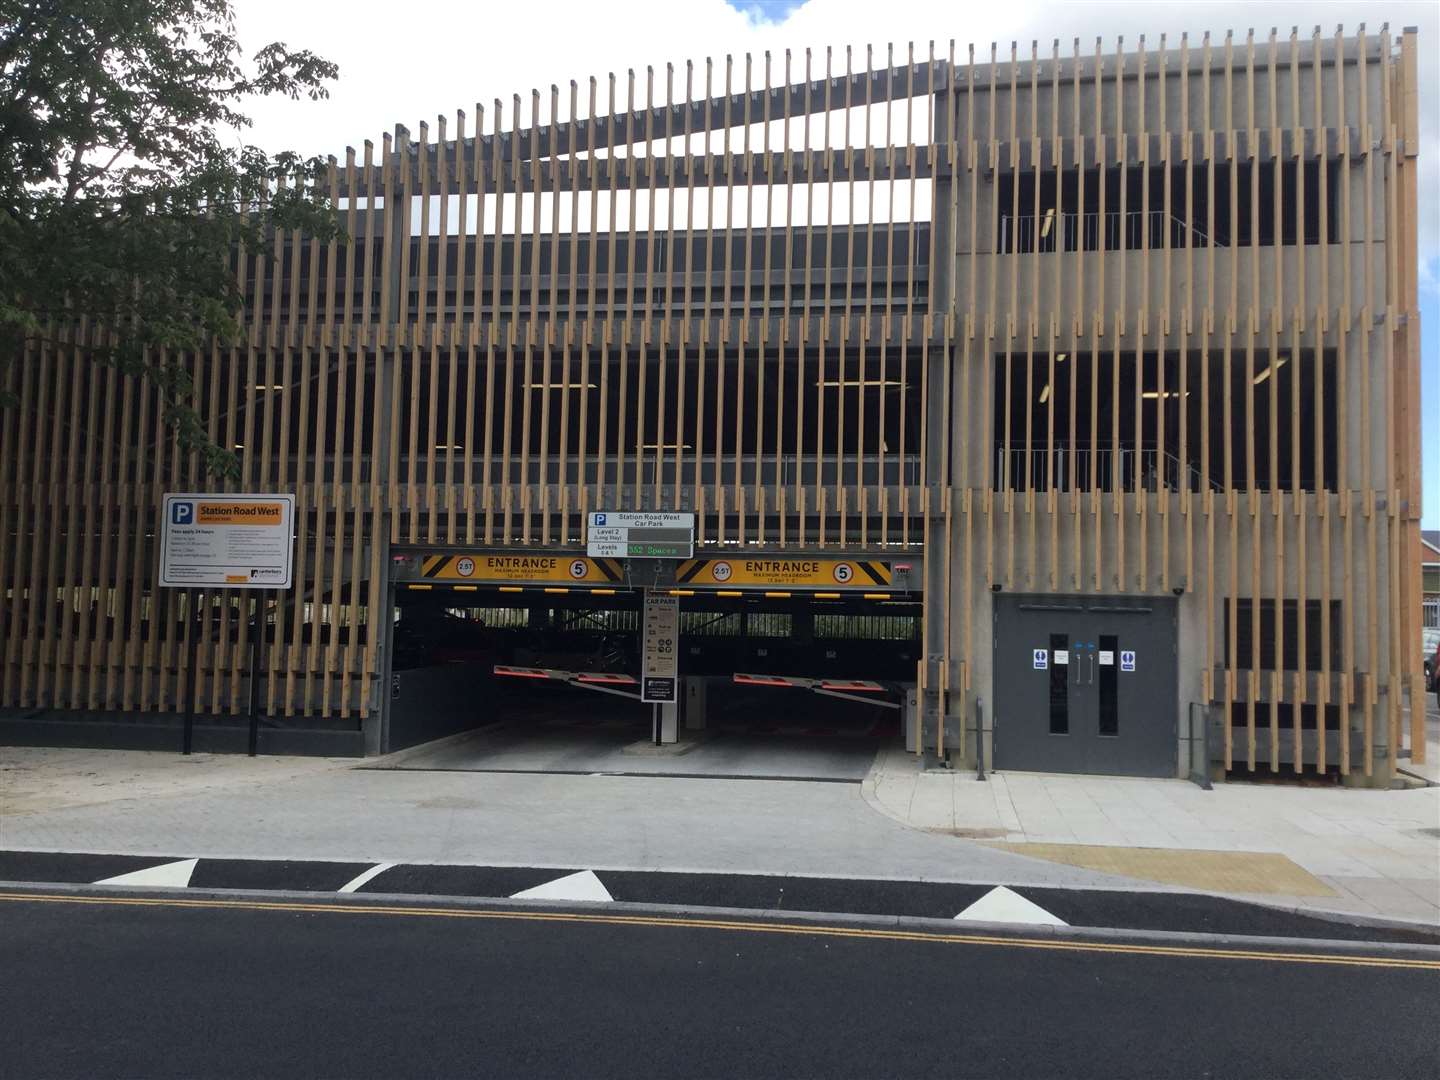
(803,573)
(532,569)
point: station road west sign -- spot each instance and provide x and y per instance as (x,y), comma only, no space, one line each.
(227,541)
(634,535)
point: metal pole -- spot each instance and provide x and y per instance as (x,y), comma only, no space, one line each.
(250,703)
(260,634)
(979,740)
(655,724)
(191,617)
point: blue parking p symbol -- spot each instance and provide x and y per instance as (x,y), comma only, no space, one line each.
(182,513)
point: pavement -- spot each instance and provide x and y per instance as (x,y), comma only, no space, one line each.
(347,812)
(1356,853)
(34,780)
(160,985)
(1337,849)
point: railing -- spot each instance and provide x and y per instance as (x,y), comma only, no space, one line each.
(1196,741)
(1061,468)
(1129,231)
(790,470)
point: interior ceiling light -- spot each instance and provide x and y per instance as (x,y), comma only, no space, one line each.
(449,446)
(1154,395)
(562,386)
(1045,394)
(1049,220)
(1061,358)
(266,386)
(858,382)
(665,446)
(1276,366)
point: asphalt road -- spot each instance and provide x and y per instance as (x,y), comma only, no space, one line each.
(185,986)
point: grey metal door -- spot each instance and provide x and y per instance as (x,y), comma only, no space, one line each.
(1085,684)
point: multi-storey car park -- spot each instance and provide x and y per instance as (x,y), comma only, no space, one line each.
(1070,396)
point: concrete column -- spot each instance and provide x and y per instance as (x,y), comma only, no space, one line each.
(669,723)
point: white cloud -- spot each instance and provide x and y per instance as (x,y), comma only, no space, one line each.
(407,64)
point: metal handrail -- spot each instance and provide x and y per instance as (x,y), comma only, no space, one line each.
(1050,232)
(1043,467)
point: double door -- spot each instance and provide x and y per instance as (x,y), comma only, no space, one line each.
(1086,685)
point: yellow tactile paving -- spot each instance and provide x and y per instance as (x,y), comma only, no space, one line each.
(1217,871)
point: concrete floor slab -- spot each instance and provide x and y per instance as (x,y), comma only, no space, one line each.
(607,749)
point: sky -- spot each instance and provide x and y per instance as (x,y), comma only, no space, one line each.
(413,62)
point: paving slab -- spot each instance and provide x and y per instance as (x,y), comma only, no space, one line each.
(1328,848)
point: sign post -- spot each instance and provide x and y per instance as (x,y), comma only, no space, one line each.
(224,542)
(660,656)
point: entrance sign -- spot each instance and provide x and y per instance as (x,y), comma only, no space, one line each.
(660,656)
(633,535)
(803,573)
(230,541)
(535,569)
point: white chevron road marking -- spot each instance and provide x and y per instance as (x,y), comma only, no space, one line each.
(171,875)
(1001,905)
(582,886)
(360,879)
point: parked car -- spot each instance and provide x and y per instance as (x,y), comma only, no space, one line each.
(1432,667)
(426,636)
(1431,654)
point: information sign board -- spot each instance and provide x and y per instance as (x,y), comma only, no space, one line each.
(229,541)
(638,535)
(660,657)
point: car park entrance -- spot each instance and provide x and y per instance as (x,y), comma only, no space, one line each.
(795,681)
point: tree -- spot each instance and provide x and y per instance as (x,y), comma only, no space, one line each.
(125,189)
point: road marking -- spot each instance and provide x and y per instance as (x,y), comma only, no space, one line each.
(171,875)
(1006,906)
(582,886)
(798,929)
(360,879)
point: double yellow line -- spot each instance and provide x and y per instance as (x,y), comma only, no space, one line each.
(684,923)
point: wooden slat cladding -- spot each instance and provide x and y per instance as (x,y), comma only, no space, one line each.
(1068,319)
